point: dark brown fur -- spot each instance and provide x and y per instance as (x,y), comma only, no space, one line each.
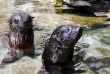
(59,48)
(21,36)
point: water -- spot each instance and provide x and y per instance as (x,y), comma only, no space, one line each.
(94,44)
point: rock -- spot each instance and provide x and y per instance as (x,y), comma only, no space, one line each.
(5,41)
(7,58)
(56,3)
(80,3)
(99,7)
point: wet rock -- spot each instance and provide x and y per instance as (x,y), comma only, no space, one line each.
(99,7)
(77,3)
(25,65)
(80,3)
(90,6)
(5,40)
(7,58)
(56,3)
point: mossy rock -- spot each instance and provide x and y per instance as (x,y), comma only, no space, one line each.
(57,3)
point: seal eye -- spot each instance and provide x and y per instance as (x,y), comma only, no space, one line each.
(67,30)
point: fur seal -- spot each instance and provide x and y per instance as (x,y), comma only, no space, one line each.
(21,36)
(59,48)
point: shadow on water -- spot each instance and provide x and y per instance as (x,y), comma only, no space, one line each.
(96,26)
(77,11)
(67,71)
(100,25)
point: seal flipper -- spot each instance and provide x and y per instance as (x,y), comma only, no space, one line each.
(19,54)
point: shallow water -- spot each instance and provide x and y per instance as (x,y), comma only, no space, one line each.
(94,44)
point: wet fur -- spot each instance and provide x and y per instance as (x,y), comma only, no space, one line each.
(21,35)
(59,48)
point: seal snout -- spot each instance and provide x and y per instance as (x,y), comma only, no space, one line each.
(16,21)
(78,28)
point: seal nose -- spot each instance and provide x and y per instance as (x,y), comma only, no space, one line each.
(16,21)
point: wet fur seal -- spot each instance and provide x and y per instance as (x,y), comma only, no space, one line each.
(21,36)
(59,48)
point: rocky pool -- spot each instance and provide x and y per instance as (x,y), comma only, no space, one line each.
(92,52)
